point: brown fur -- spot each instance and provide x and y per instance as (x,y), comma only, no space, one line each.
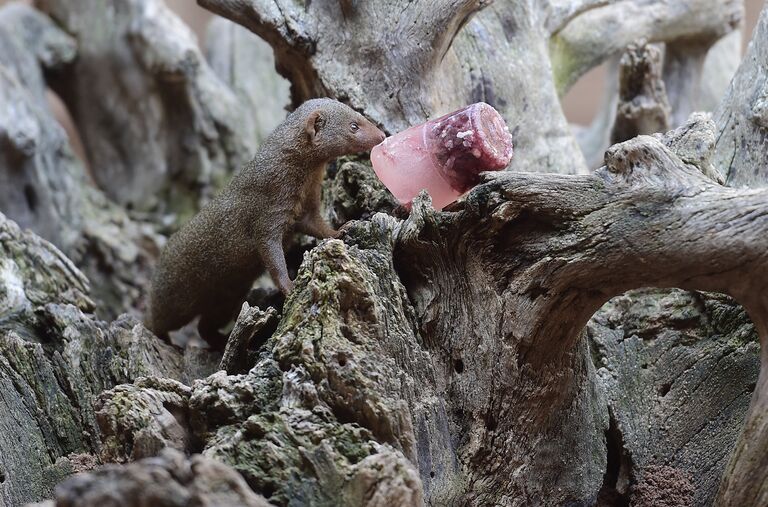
(208,266)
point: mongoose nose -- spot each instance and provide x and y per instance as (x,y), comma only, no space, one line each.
(381,136)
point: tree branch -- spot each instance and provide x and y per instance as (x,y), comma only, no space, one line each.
(559,13)
(546,251)
(282,23)
(333,50)
(603,31)
(742,117)
(44,187)
(145,83)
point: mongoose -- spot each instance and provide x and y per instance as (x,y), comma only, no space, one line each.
(209,265)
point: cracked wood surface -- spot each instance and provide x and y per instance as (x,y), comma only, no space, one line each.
(43,185)
(530,246)
(140,80)
(607,29)
(459,373)
(742,144)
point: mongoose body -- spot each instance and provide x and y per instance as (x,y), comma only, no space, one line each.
(209,265)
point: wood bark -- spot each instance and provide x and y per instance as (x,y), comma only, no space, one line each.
(659,353)
(483,406)
(688,85)
(741,154)
(533,348)
(506,351)
(643,106)
(168,480)
(610,26)
(43,185)
(743,116)
(140,79)
(55,358)
(495,57)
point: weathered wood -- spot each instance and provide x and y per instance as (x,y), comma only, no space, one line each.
(656,447)
(160,129)
(247,65)
(55,357)
(320,417)
(695,77)
(496,58)
(742,144)
(679,369)
(312,41)
(139,420)
(169,480)
(607,29)
(440,358)
(532,246)
(243,340)
(488,403)
(643,106)
(741,154)
(720,66)
(501,56)
(332,48)
(43,186)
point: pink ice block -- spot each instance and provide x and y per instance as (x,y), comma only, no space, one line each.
(444,156)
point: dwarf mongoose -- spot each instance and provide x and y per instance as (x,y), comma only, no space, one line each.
(209,265)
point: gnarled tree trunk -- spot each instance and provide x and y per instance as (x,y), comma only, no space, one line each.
(558,337)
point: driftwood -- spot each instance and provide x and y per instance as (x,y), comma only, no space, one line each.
(743,117)
(486,388)
(44,186)
(507,351)
(246,64)
(643,105)
(55,358)
(168,480)
(741,154)
(141,80)
(608,28)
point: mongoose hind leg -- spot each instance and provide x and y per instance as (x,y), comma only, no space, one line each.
(222,309)
(214,318)
(209,329)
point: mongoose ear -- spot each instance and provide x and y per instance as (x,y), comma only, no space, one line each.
(314,124)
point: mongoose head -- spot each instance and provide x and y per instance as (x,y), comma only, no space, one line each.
(335,129)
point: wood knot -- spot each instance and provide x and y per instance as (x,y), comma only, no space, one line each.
(620,158)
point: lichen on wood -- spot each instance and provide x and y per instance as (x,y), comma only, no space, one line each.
(504,352)
(55,358)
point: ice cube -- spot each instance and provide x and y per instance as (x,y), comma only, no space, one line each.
(445,156)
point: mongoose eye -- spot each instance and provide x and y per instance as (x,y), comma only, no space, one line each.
(354,127)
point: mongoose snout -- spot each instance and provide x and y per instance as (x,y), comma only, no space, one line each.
(210,264)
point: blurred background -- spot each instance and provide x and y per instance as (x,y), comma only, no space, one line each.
(580,104)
